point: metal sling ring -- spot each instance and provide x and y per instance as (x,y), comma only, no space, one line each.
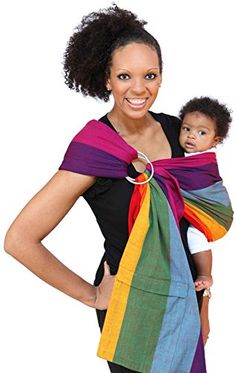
(145,158)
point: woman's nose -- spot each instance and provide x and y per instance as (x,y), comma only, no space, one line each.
(138,86)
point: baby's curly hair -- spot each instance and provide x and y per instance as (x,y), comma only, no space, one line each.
(212,109)
(88,56)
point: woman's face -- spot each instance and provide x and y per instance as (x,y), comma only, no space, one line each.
(134,79)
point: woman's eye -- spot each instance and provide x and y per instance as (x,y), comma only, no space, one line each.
(123,76)
(151,76)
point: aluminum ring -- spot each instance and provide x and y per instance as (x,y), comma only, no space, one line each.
(145,158)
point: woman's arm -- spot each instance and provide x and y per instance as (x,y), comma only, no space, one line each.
(38,218)
(204,316)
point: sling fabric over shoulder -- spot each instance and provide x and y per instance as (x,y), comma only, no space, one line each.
(152,322)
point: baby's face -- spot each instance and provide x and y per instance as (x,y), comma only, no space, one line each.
(198,133)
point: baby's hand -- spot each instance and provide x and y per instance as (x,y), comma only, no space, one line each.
(203,282)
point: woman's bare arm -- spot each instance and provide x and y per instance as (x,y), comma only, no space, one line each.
(204,315)
(37,219)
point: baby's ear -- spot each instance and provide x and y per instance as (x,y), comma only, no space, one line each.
(217,140)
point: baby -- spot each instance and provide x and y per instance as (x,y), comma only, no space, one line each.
(205,123)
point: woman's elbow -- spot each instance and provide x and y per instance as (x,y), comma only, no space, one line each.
(13,241)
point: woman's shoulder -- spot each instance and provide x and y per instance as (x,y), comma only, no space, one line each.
(167,119)
(170,124)
(171,127)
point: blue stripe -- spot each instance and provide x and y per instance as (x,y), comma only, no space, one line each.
(213,194)
(181,324)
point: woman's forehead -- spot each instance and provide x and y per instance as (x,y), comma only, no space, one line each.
(135,54)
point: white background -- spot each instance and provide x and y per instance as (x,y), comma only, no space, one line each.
(41,329)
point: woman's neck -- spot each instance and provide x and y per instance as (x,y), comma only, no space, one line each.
(128,126)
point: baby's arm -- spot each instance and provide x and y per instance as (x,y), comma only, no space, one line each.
(202,256)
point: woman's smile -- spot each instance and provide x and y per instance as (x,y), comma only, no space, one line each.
(137,103)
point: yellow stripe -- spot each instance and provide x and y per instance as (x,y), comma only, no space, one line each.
(117,306)
(213,229)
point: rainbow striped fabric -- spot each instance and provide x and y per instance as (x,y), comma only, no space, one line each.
(152,322)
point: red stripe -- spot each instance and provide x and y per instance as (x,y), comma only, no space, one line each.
(136,201)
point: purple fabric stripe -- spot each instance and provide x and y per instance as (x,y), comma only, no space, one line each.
(193,178)
(193,172)
(80,158)
(198,177)
(101,136)
(173,195)
(199,364)
(200,159)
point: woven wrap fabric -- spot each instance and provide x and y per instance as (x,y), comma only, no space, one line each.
(152,322)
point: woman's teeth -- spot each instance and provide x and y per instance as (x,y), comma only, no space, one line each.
(136,101)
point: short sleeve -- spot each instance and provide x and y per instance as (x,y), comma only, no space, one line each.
(197,241)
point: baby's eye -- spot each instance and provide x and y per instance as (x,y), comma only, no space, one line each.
(186,129)
(123,76)
(151,76)
(201,133)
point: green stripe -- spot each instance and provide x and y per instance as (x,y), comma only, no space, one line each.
(146,306)
(223,215)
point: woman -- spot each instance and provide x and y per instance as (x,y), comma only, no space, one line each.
(110,53)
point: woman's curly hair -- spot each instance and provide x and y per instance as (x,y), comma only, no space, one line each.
(211,108)
(88,56)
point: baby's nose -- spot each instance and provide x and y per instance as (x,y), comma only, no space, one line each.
(191,135)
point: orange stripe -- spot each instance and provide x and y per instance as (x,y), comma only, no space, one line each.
(205,223)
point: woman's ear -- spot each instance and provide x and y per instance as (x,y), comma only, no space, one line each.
(108,85)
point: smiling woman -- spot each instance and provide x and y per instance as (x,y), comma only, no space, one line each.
(134,80)
(144,284)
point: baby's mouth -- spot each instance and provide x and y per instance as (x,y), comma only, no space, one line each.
(189,145)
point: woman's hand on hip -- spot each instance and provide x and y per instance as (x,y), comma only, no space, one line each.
(104,289)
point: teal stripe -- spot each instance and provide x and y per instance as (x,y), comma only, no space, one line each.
(214,201)
(181,324)
(212,194)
